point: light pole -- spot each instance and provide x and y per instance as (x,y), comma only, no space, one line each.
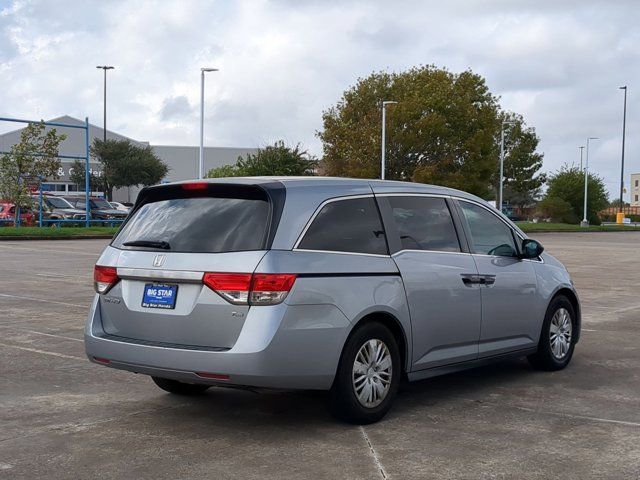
(201,156)
(581,150)
(502,161)
(585,222)
(624,126)
(384,121)
(104,124)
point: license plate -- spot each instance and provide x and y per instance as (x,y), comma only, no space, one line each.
(159,296)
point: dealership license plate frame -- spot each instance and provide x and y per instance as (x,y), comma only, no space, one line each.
(156,301)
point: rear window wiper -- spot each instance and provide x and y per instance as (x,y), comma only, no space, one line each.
(148,243)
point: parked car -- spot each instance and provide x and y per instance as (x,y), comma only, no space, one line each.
(120,206)
(8,215)
(318,283)
(100,208)
(57,208)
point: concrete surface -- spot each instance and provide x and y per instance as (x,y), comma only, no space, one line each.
(64,418)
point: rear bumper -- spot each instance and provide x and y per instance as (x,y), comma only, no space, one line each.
(279,347)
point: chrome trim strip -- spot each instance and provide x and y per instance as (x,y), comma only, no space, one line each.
(436,195)
(342,253)
(150,274)
(429,251)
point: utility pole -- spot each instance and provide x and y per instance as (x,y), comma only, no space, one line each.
(624,126)
(104,122)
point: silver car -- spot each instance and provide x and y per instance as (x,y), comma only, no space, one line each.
(319,283)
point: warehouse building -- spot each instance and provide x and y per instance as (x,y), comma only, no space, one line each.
(181,160)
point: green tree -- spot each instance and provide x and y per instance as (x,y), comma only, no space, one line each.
(444,130)
(276,159)
(33,158)
(568,185)
(557,209)
(125,164)
(522,184)
(77,177)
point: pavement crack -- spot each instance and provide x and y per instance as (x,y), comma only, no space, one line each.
(374,455)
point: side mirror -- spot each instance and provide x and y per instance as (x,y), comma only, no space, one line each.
(531,248)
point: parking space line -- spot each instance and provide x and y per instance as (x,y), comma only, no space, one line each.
(39,250)
(41,333)
(561,414)
(374,455)
(44,352)
(42,300)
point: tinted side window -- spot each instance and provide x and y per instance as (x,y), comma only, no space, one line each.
(489,234)
(347,226)
(424,223)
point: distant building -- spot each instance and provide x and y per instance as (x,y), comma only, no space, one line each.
(634,192)
(181,160)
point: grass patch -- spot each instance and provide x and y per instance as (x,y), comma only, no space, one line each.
(52,232)
(568,227)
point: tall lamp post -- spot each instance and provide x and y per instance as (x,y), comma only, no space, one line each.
(581,150)
(624,126)
(104,124)
(585,222)
(502,161)
(201,156)
(384,121)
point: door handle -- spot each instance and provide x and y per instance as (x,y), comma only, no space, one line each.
(471,279)
(488,280)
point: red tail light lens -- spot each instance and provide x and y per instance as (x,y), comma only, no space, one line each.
(104,278)
(270,288)
(244,288)
(233,287)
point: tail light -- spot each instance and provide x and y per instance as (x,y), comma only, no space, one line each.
(248,289)
(104,278)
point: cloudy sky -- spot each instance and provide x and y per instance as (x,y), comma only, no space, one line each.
(559,63)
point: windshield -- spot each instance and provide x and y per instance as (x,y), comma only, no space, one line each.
(200,224)
(100,203)
(57,202)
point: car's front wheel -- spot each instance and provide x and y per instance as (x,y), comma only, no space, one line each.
(179,388)
(368,375)
(557,338)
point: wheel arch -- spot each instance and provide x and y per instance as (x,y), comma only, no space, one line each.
(395,327)
(571,295)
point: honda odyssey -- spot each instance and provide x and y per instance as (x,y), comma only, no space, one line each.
(323,283)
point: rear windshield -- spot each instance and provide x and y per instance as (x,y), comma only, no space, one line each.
(207,224)
(99,203)
(58,202)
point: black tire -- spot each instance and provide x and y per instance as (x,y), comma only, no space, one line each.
(179,388)
(343,401)
(544,358)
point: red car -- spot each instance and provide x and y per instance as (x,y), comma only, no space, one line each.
(8,213)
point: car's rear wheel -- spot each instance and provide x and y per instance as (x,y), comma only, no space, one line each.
(368,375)
(557,338)
(179,388)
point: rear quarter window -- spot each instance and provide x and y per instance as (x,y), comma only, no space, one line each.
(350,225)
(203,224)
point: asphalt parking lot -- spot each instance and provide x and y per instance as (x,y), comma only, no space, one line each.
(64,418)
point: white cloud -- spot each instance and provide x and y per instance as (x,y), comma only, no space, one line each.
(283,62)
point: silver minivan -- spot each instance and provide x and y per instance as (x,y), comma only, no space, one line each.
(320,283)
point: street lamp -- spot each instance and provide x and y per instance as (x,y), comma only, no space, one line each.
(384,116)
(581,149)
(585,222)
(201,157)
(104,125)
(506,122)
(624,126)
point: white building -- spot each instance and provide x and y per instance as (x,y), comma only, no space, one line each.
(181,160)
(634,191)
